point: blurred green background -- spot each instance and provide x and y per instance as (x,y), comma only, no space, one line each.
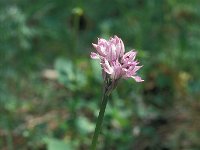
(50,89)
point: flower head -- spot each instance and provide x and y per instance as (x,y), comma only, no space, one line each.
(114,62)
(111,50)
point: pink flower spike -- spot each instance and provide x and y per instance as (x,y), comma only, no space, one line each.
(115,64)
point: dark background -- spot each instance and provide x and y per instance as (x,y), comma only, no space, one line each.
(50,89)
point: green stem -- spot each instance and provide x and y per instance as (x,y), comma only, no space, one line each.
(99,121)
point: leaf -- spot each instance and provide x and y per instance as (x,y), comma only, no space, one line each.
(84,125)
(70,75)
(54,144)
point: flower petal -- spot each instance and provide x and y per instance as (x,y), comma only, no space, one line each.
(94,55)
(107,68)
(137,78)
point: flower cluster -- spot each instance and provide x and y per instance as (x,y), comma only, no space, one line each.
(114,61)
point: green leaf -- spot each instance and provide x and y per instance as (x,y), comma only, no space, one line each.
(84,125)
(69,74)
(54,144)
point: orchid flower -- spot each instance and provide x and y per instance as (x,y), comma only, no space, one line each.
(115,64)
(113,60)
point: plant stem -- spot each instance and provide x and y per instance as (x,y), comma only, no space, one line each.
(99,121)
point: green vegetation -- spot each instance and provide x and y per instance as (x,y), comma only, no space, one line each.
(50,89)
